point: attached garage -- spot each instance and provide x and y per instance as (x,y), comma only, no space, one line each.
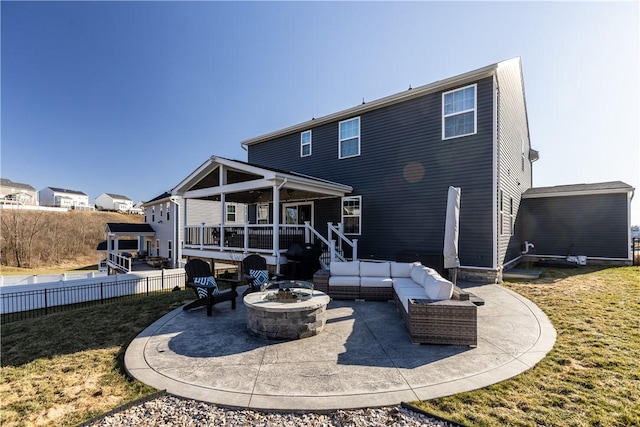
(591,220)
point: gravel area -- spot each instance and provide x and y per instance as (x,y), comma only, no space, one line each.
(169,410)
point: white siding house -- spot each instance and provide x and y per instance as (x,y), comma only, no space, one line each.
(114,202)
(64,198)
(23,194)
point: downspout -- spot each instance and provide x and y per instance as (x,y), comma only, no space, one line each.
(176,234)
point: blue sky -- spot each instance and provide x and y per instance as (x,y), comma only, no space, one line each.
(130,97)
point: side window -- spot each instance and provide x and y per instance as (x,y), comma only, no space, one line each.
(168,216)
(459,112)
(305,143)
(349,138)
(352,214)
(231,213)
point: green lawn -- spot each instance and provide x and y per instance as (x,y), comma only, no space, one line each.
(592,375)
(65,368)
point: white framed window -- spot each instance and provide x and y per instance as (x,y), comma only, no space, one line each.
(352,214)
(305,143)
(231,213)
(459,112)
(263,213)
(349,138)
(169,249)
(157,247)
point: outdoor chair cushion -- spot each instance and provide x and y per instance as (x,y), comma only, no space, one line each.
(349,268)
(402,269)
(376,282)
(374,269)
(437,288)
(418,273)
(260,277)
(344,280)
(209,282)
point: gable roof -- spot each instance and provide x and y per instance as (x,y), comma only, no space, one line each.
(4,182)
(66,191)
(161,198)
(578,190)
(411,93)
(265,177)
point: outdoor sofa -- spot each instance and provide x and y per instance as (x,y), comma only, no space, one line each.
(433,309)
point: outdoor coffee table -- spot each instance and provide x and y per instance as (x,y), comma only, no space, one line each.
(286,310)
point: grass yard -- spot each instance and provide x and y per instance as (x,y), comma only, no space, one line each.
(592,375)
(66,368)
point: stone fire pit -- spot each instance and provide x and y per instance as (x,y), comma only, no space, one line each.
(287,313)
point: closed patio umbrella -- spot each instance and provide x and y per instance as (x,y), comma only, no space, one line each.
(451,230)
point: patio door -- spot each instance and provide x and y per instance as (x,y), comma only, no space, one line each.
(297,213)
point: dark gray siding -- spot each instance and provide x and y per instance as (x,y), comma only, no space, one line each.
(596,225)
(405,210)
(514,174)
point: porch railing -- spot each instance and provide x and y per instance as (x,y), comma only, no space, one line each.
(258,238)
(118,261)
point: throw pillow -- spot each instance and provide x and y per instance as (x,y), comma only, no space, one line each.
(208,282)
(260,277)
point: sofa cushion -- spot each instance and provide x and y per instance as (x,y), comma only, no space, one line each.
(403,282)
(437,288)
(350,268)
(344,281)
(405,293)
(401,269)
(418,273)
(374,269)
(376,282)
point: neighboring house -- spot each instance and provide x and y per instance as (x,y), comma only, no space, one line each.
(115,234)
(371,182)
(64,198)
(15,192)
(114,202)
(591,220)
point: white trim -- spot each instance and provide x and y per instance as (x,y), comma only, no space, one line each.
(340,139)
(359,233)
(304,144)
(577,193)
(496,168)
(457,113)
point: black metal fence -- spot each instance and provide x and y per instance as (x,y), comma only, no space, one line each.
(34,303)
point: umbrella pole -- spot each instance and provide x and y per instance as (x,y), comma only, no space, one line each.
(454,276)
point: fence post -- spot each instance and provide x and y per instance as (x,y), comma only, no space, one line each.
(162,280)
(45,301)
(147,286)
(101,294)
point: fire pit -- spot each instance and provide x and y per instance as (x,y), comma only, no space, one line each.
(286,311)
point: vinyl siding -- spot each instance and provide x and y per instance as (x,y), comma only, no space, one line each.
(404,210)
(199,211)
(512,179)
(596,225)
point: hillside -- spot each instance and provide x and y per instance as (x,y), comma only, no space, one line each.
(32,239)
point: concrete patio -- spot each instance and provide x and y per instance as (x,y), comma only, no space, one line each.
(363,358)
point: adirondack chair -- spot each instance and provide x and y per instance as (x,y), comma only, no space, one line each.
(202,281)
(255,273)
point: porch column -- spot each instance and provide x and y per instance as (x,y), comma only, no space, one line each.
(276,224)
(223,211)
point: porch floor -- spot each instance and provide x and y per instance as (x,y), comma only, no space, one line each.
(363,358)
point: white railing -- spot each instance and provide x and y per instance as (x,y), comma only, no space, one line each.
(342,239)
(258,238)
(118,261)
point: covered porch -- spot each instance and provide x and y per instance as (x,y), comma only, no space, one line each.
(230,208)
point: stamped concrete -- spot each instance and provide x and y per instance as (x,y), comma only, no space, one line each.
(364,357)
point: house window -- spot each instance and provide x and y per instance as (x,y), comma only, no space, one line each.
(157,247)
(231,213)
(169,249)
(459,112)
(352,214)
(263,213)
(305,143)
(168,216)
(153,214)
(349,138)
